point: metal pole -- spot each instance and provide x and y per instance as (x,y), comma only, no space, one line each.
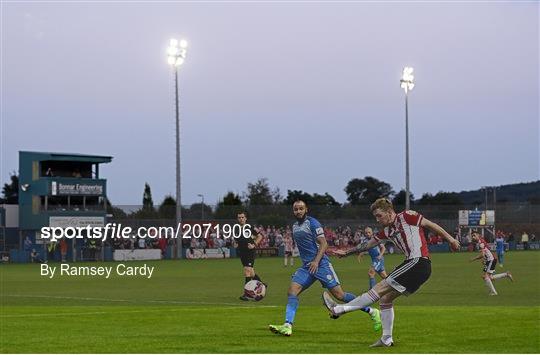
(494,209)
(407,191)
(485,189)
(202,208)
(178,191)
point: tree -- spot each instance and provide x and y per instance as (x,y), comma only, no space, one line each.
(228,206)
(440,198)
(147,210)
(311,200)
(10,191)
(324,200)
(399,198)
(366,190)
(295,195)
(167,208)
(259,193)
(117,213)
(231,199)
(195,211)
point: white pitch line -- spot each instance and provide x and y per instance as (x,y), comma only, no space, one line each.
(115,312)
(194,303)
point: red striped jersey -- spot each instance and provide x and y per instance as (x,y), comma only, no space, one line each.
(484,249)
(407,234)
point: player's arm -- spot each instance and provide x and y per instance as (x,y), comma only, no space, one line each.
(360,248)
(478,257)
(438,230)
(258,239)
(323,245)
(382,250)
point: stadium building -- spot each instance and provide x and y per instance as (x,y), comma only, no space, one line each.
(56,190)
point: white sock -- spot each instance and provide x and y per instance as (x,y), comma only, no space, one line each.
(489,285)
(359,302)
(285,262)
(498,276)
(387,318)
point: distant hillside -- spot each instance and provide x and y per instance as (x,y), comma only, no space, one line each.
(523,192)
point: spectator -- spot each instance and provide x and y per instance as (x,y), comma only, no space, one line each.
(28,246)
(525,240)
(51,248)
(162,244)
(34,257)
(141,243)
(63,249)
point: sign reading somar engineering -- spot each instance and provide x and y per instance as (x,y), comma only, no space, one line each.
(476,218)
(80,221)
(62,188)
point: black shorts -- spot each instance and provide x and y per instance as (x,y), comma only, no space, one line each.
(247,257)
(410,275)
(489,267)
(288,253)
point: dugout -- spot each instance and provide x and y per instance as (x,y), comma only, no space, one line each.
(58,190)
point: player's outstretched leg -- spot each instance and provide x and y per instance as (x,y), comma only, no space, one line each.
(356,304)
(507,274)
(348,297)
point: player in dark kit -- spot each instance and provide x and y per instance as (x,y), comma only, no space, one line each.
(245,248)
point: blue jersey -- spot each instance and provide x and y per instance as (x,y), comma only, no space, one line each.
(499,244)
(305,235)
(374,252)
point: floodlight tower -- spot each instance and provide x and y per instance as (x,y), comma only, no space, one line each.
(407,84)
(176,54)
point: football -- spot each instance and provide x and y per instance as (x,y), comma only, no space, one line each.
(255,290)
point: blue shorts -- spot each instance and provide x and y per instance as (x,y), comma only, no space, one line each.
(325,274)
(377,265)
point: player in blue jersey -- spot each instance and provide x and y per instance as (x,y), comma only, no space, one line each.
(308,235)
(377,259)
(499,247)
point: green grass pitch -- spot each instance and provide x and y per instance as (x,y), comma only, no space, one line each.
(193,307)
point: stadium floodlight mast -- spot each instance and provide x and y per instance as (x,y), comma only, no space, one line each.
(176,54)
(407,84)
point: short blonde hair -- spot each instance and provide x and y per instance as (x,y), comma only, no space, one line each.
(383,203)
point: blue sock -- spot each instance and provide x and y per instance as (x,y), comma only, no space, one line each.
(290,312)
(348,297)
(371,282)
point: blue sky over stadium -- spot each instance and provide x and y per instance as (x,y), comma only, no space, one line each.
(305,94)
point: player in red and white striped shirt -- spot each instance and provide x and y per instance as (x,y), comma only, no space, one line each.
(490,261)
(406,231)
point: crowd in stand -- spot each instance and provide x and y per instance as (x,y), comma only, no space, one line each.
(274,237)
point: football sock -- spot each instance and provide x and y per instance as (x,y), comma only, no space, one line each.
(348,297)
(371,282)
(387,318)
(358,303)
(248,279)
(285,262)
(290,311)
(498,276)
(256,277)
(489,285)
